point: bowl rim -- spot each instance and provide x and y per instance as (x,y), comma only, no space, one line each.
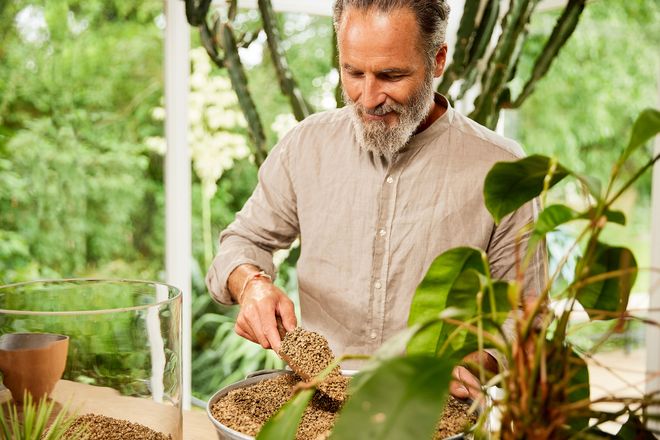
(177,296)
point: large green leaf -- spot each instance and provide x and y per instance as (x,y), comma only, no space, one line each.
(431,296)
(609,294)
(393,347)
(284,424)
(509,185)
(464,297)
(646,126)
(578,387)
(556,215)
(402,400)
(548,220)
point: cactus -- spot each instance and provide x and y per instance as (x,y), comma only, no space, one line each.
(240,84)
(501,61)
(301,109)
(563,29)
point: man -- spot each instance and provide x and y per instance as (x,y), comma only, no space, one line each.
(375,191)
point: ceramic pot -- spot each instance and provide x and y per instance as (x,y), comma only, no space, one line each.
(32,362)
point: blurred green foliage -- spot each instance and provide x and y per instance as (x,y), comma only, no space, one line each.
(76,97)
(583,109)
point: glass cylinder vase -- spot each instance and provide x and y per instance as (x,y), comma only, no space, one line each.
(122,366)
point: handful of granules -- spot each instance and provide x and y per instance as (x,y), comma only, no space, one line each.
(308,353)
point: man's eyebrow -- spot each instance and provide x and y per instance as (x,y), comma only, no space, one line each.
(388,71)
(395,71)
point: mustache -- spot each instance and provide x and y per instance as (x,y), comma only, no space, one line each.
(381,109)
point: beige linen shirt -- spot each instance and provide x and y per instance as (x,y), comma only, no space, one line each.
(369,229)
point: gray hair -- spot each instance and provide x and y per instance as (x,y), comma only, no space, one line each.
(431,16)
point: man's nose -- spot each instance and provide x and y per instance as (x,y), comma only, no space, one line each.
(372,93)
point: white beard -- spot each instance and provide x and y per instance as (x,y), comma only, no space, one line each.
(379,138)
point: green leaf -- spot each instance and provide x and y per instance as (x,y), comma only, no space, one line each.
(464,297)
(634,429)
(578,387)
(617,217)
(431,296)
(509,185)
(646,126)
(556,215)
(610,294)
(403,399)
(284,424)
(553,216)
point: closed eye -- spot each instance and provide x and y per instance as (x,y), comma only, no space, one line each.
(392,77)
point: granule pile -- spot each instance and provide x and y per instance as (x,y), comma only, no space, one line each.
(307,353)
(99,427)
(455,418)
(247,409)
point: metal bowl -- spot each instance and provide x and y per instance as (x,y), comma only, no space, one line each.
(226,433)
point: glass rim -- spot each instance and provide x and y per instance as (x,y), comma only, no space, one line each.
(179,294)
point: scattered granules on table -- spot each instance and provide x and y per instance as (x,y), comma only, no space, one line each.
(455,418)
(307,353)
(97,427)
(247,409)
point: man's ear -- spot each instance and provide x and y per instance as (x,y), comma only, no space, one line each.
(440,59)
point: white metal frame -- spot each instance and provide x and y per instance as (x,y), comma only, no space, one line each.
(178,229)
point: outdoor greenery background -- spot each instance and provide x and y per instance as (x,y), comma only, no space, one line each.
(81,149)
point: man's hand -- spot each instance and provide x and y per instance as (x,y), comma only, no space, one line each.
(465,384)
(262,303)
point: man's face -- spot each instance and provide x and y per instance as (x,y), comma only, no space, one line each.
(384,76)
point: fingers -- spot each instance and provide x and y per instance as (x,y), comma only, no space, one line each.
(243,333)
(465,385)
(256,320)
(287,313)
(269,328)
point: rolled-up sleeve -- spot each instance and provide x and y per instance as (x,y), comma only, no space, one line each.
(267,222)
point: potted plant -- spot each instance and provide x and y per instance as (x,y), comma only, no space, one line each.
(459,308)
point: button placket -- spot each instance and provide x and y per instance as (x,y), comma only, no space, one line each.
(380,267)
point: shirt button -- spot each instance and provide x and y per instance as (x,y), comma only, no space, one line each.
(381,232)
(378,285)
(373,335)
(389,179)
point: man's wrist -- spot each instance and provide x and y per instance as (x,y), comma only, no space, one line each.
(261,275)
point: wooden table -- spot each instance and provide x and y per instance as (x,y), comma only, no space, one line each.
(197,426)
(158,416)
